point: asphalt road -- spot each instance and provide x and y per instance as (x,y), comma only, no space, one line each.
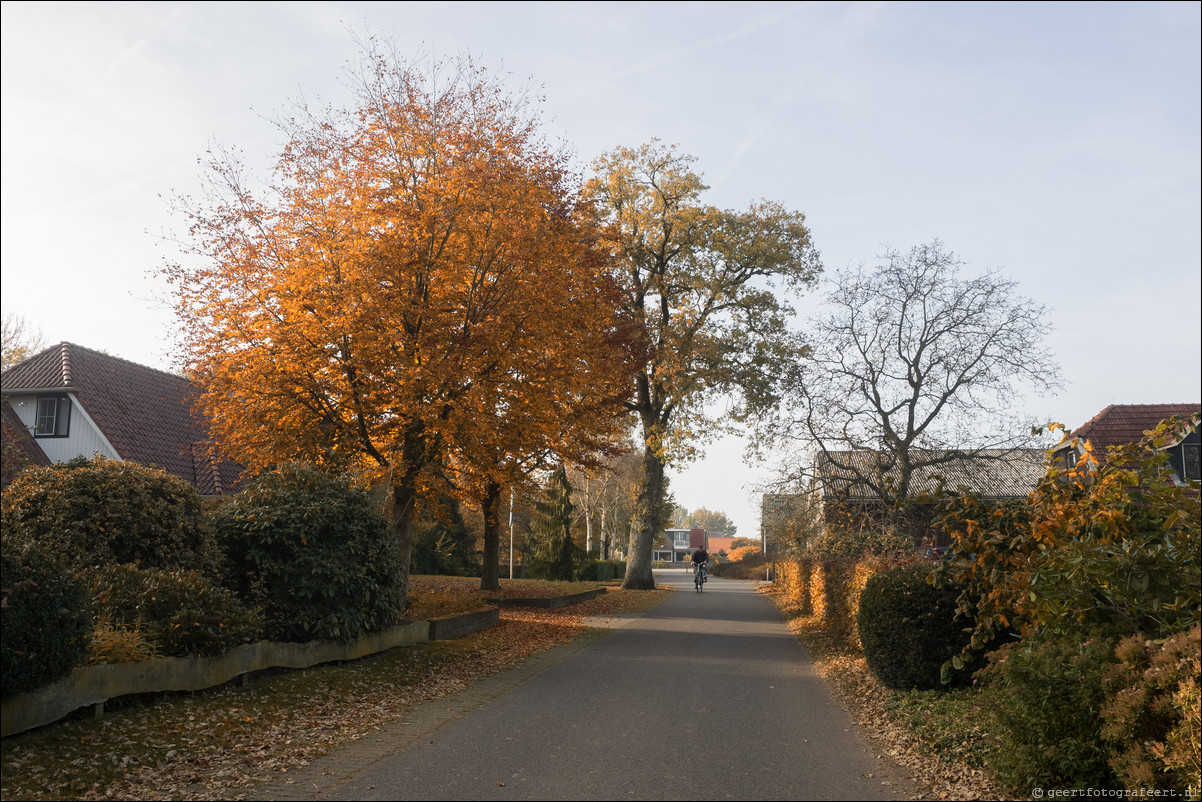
(708,696)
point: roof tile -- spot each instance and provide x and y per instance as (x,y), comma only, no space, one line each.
(146,414)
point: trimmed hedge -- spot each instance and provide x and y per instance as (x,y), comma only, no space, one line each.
(601,571)
(314,553)
(104,512)
(45,617)
(908,628)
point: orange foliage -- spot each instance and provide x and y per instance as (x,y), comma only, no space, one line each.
(419,272)
(743,552)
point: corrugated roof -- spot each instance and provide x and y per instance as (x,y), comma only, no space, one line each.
(1011,473)
(145,413)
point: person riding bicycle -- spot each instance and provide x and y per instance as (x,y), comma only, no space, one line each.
(700,558)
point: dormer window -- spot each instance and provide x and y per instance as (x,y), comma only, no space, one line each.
(1189,453)
(53,416)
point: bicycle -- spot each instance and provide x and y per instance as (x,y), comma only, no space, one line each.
(699,576)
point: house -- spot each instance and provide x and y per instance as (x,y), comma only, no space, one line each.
(69,401)
(839,498)
(20,451)
(678,545)
(719,545)
(1122,424)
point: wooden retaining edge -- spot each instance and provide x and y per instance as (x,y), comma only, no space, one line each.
(548,602)
(96,684)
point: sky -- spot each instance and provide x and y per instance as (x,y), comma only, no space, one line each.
(1057,142)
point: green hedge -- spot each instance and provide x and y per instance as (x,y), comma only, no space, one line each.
(314,553)
(601,570)
(45,618)
(908,628)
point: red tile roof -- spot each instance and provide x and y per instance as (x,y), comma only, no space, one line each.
(19,448)
(1120,424)
(145,413)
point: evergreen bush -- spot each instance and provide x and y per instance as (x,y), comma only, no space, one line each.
(442,543)
(314,553)
(104,512)
(45,617)
(1045,695)
(908,628)
(177,612)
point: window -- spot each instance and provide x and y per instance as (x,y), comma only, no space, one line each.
(1189,453)
(53,416)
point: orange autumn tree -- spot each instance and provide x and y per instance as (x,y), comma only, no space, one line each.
(365,308)
(563,401)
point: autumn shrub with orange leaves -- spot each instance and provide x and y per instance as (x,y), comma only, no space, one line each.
(1113,548)
(1097,554)
(1153,714)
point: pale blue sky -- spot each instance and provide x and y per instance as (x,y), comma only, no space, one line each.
(1059,142)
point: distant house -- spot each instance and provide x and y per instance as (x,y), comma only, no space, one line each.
(69,401)
(1122,424)
(996,475)
(719,544)
(678,545)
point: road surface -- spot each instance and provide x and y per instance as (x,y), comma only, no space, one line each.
(708,696)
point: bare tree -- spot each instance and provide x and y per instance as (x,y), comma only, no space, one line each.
(21,340)
(912,368)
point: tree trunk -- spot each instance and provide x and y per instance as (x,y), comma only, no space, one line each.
(642,537)
(604,537)
(404,498)
(588,518)
(490,506)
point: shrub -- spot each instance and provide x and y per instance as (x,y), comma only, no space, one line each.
(442,542)
(749,567)
(601,570)
(119,644)
(1114,548)
(103,512)
(908,628)
(850,543)
(177,612)
(745,552)
(314,553)
(1151,714)
(45,617)
(1045,699)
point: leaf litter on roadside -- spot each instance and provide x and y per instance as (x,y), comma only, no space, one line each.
(222,743)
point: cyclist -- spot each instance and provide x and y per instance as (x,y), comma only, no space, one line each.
(700,558)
